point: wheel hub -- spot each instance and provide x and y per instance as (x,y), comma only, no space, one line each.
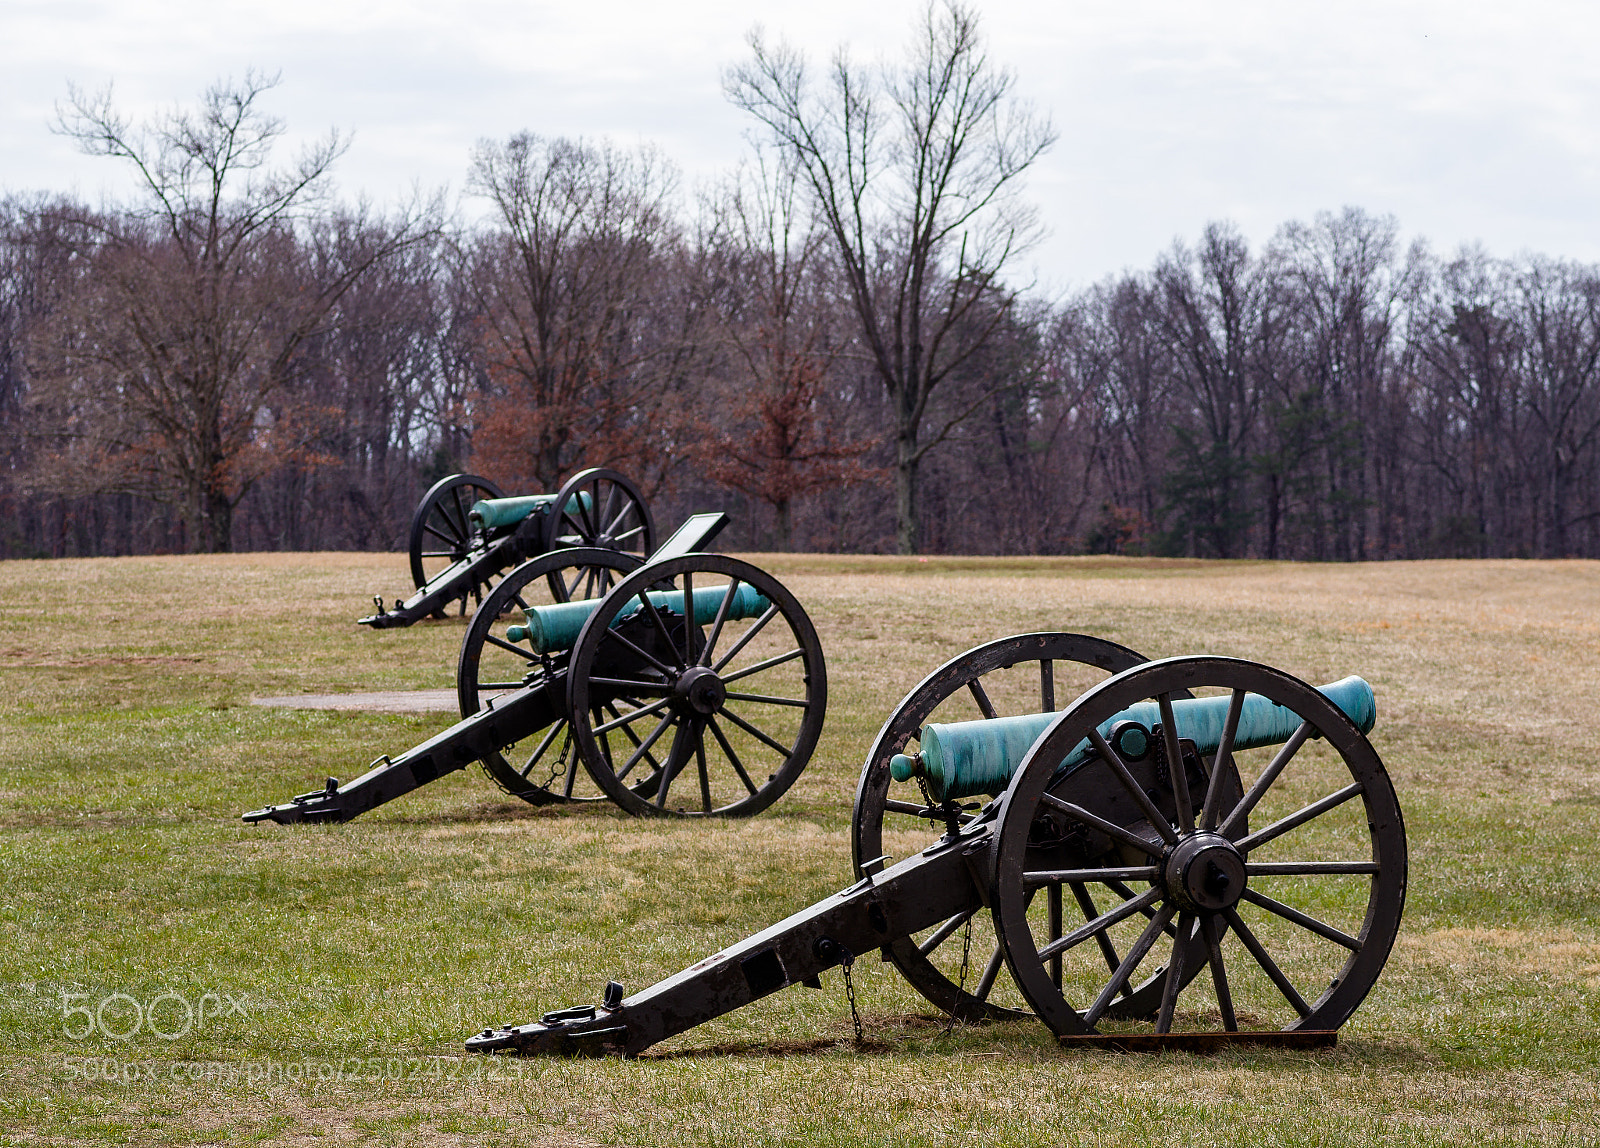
(1204,872)
(700,691)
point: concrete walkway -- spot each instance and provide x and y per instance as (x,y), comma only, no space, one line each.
(383,702)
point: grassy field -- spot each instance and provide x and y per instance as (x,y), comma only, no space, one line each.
(331,973)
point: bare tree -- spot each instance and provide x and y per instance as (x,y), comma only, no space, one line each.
(170,370)
(1141,380)
(1349,288)
(1472,413)
(771,430)
(1559,305)
(578,341)
(377,361)
(1106,360)
(1217,311)
(913,171)
(31,264)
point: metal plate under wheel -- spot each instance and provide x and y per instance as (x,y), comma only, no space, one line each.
(1202,1042)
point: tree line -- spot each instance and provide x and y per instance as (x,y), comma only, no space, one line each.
(831,343)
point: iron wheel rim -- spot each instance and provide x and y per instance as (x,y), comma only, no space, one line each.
(913,712)
(440,530)
(603,754)
(615,516)
(598,571)
(1352,980)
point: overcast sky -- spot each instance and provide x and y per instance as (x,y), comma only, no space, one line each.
(1467,120)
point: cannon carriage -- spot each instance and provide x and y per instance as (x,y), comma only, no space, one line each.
(466,534)
(1194,851)
(693,685)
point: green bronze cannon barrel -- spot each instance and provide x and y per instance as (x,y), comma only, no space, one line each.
(497,513)
(552,628)
(965,759)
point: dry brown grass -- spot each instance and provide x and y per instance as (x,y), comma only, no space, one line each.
(1492,956)
(128,749)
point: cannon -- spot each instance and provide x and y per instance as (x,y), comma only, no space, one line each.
(695,686)
(465,534)
(1196,851)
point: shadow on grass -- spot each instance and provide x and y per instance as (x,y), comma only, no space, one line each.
(602,810)
(775,1050)
(489,812)
(915,1033)
(895,1032)
(480,813)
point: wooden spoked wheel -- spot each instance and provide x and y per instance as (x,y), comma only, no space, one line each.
(1027,673)
(440,533)
(545,769)
(1280,925)
(700,712)
(600,508)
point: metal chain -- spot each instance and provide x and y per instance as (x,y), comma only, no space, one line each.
(949,810)
(850,995)
(961,983)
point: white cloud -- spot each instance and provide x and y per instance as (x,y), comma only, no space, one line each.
(1466,120)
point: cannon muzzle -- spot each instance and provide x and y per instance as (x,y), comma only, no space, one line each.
(965,759)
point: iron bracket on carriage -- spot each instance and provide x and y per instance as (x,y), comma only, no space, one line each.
(466,534)
(694,685)
(1196,851)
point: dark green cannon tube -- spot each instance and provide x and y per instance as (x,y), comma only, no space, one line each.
(965,759)
(552,628)
(494,513)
